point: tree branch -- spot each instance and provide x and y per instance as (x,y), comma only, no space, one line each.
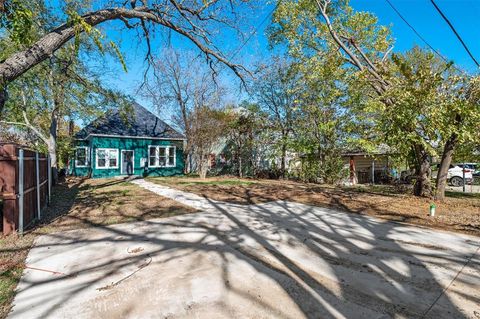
(20,62)
(352,57)
(28,125)
(387,53)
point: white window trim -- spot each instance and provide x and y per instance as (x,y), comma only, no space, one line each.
(107,159)
(87,156)
(156,155)
(167,155)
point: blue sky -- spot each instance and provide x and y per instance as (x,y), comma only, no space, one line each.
(419,13)
(422,15)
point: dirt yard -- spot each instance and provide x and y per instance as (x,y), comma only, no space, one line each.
(80,204)
(459,212)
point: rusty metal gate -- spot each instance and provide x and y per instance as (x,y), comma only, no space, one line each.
(25,186)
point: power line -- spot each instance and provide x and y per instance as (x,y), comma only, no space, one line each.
(416,32)
(455,31)
(254,31)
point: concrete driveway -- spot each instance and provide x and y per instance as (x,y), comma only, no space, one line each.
(276,260)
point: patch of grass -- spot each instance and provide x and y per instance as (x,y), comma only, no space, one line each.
(462,195)
(195,181)
(377,189)
(8,282)
(13,251)
(219,182)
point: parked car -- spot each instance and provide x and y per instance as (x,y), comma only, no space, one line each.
(455,174)
(476,171)
(472,166)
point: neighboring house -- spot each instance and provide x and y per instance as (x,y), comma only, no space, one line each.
(137,143)
(367,167)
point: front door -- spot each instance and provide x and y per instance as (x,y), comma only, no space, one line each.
(127,162)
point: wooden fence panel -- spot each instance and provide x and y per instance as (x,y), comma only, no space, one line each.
(43,162)
(15,215)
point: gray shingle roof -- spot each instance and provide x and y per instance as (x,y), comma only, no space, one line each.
(139,123)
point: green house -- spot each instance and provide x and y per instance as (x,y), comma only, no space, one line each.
(133,143)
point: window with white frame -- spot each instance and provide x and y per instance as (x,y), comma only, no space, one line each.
(161,156)
(107,158)
(81,156)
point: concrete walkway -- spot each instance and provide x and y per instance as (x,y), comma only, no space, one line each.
(276,260)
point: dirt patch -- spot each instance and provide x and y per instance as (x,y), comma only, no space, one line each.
(111,201)
(78,203)
(459,213)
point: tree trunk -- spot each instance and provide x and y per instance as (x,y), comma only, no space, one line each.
(321,159)
(52,146)
(186,162)
(422,186)
(442,177)
(240,170)
(283,164)
(202,165)
(203,169)
(52,152)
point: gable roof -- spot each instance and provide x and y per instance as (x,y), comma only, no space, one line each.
(139,123)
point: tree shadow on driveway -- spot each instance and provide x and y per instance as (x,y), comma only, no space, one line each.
(370,268)
(319,263)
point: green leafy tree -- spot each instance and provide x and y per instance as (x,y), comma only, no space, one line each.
(52,98)
(411,124)
(56,92)
(459,125)
(392,89)
(436,108)
(274,92)
(322,119)
(247,138)
(343,53)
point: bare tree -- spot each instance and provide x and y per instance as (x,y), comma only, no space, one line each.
(181,85)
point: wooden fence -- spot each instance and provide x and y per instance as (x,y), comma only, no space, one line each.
(25,186)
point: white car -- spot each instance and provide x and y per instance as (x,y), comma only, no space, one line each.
(456,173)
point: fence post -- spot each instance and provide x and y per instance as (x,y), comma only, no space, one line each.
(49,171)
(20,191)
(37,170)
